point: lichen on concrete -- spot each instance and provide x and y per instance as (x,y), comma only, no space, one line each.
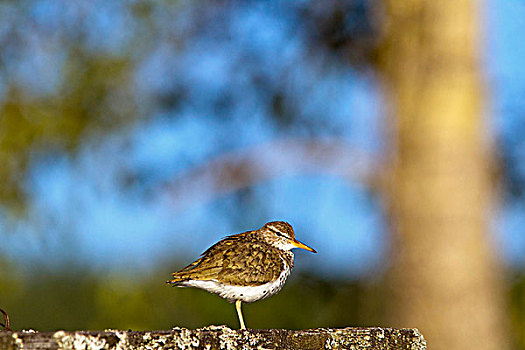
(219,338)
(186,339)
(75,340)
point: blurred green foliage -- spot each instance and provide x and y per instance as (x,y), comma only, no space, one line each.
(84,105)
(76,299)
(517,308)
(82,299)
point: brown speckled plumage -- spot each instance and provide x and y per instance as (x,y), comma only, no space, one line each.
(240,259)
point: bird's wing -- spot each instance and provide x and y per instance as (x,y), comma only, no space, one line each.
(251,263)
(209,265)
(234,261)
(225,243)
(204,268)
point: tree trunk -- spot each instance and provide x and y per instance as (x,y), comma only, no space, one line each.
(444,278)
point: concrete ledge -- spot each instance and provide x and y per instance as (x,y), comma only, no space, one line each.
(219,337)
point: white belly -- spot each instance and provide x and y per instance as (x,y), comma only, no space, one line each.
(244,293)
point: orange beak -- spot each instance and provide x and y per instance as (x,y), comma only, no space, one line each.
(303,246)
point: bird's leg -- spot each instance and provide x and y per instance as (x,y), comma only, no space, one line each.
(239,313)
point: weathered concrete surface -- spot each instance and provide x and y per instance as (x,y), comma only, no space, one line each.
(219,337)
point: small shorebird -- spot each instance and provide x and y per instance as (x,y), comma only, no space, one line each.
(247,267)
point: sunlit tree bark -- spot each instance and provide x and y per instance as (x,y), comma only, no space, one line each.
(445,279)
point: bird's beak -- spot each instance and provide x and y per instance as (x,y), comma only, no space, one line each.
(303,246)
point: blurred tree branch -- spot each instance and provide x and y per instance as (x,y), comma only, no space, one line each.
(6,321)
(287,157)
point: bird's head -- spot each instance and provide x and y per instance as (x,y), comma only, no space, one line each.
(280,234)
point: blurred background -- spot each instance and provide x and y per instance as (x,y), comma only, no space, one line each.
(135,134)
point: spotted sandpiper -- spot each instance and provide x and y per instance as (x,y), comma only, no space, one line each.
(247,267)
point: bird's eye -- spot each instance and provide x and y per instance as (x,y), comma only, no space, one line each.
(277,232)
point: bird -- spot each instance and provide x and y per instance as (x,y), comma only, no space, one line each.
(244,267)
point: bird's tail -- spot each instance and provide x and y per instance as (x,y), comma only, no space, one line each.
(178,279)
(183,275)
